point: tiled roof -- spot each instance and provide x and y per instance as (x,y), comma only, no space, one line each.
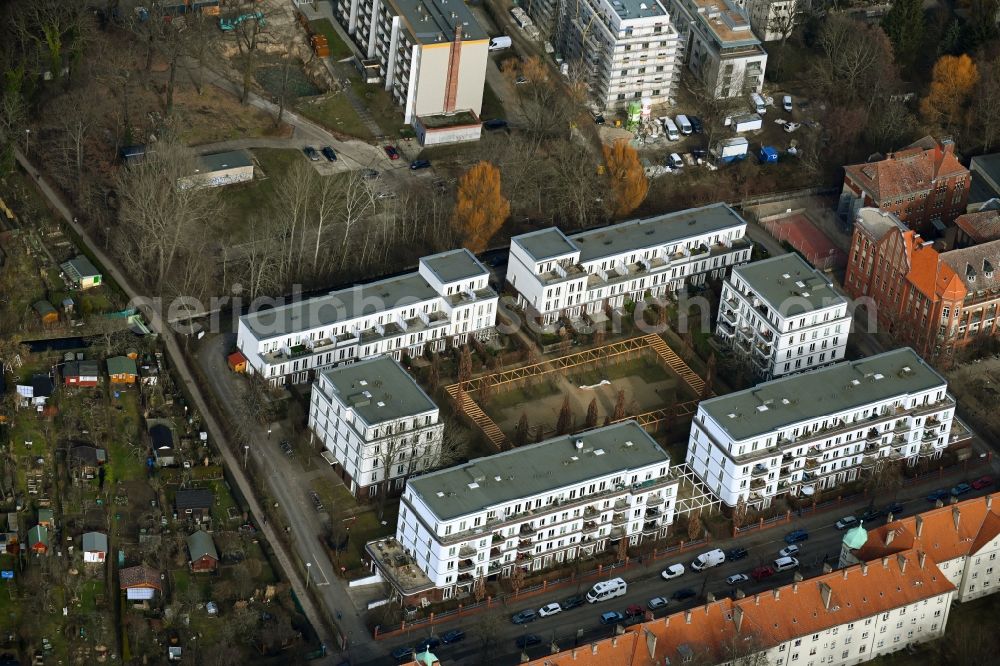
(977,265)
(981,227)
(194,498)
(911,170)
(943,533)
(140,576)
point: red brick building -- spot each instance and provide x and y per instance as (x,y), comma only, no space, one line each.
(924,185)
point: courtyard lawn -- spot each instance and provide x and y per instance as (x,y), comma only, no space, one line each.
(338,49)
(334,111)
(244,200)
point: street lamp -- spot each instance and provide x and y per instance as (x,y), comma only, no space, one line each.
(269,431)
(27,137)
(246,454)
(308,570)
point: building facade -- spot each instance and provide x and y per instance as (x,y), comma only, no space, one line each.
(720,47)
(447,300)
(783,316)
(533,507)
(431,54)
(771,20)
(626,49)
(378,423)
(555,275)
(924,185)
(810,432)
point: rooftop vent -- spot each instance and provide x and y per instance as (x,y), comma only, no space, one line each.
(855,382)
(473,485)
(363,382)
(878,376)
(599,452)
(761,408)
(800,284)
(574,458)
(380,403)
(732,416)
(786,276)
(440,494)
(578,444)
(498,479)
(629,443)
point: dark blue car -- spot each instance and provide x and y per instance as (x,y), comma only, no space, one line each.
(796,536)
(939,494)
(453,636)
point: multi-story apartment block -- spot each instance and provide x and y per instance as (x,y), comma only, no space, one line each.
(432,54)
(627,49)
(963,539)
(720,48)
(936,302)
(772,20)
(568,276)
(445,301)
(377,422)
(809,432)
(924,185)
(839,618)
(531,507)
(783,316)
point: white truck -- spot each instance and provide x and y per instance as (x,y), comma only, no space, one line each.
(607,589)
(731,150)
(709,559)
(747,123)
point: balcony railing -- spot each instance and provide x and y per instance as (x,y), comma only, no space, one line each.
(466,565)
(650,527)
(528,530)
(757,484)
(619,519)
(759,470)
(589,526)
(466,551)
(525,545)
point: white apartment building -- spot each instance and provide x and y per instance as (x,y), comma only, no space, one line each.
(531,507)
(720,48)
(816,430)
(569,276)
(783,316)
(962,538)
(771,20)
(431,54)
(627,49)
(444,302)
(377,423)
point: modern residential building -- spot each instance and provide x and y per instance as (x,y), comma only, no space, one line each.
(377,422)
(531,507)
(936,302)
(963,539)
(431,54)
(783,316)
(771,20)
(556,275)
(839,618)
(626,49)
(985,176)
(720,48)
(447,300)
(810,432)
(924,185)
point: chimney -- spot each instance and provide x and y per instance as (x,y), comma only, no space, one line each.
(709,598)
(921,558)
(614,641)
(956,516)
(687,617)
(890,534)
(827,568)
(845,574)
(825,593)
(885,562)
(864,568)
(650,643)
(593,648)
(918,523)
(989,502)
(777,593)
(740,594)
(797,577)
(795,587)
(738,618)
(574,654)
(902,563)
(756,600)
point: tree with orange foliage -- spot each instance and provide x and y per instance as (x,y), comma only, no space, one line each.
(953,80)
(627,179)
(481,208)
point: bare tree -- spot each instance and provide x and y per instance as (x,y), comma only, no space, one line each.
(248,34)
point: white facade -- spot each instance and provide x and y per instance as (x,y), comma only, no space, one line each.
(819,429)
(377,422)
(558,275)
(772,20)
(720,48)
(445,301)
(783,316)
(537,506)
(628,50)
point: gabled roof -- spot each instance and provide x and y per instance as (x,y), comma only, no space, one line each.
(80,369)
(95,542)
(201,544)
(194,498)
(162,437)
(88,454)
(42,386)
(38,534)
(977,266)
(912,170)
(79,267)
(140,576)
(43,308)
(121,365)
(982,226)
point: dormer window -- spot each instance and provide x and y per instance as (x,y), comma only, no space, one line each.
(987,269)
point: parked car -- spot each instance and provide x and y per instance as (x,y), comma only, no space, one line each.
(785,563)
(796,536)
(737,579)
(634,609)
(791,127)
(846,522)
(736,554)
(939,494)
(317,502)
(311,153)
(573,602)
(329,154)
(675,161)
(428,644)
(549,609)
(527,641)
(960,489)
(789,551)
(370,174)
(895,508)
(786,103)
(673,571)
(982,482)
(419,164)
(696,124)
(762,572)
(611,617)
(871,514)
(683,593)
(391,152)
(404,653)
(495,124)
(524,617)
(453,636)
(657,602)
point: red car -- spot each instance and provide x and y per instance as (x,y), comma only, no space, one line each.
(982,482)
(634,610)
(392,152)
(760,573)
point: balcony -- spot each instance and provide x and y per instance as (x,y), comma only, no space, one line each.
(813,452)
(525,545)
(528,530)
(466,565)
(651,527)
(873,435)
(619,518)
(621,505)
(616,533)
(929,436)
(811,463)
(654,500)
(466,551)
(464,578)
(757,484)
(591,512)
(495,552)
(589,526)
(759,470)
(652,513)
(867,462)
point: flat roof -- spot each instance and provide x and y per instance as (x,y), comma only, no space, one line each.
(830,390)
(727,21)
(532,470)
(788,284)
(545,243)
(232,159)
(652,231)
(434,21)
(630,9)
(455,265)
(379,390)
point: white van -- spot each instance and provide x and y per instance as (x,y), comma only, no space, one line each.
(671,129)
(785,563)
(709,559)
(607,589)
(786,103)
(757,103)
(499,43)
(684,124)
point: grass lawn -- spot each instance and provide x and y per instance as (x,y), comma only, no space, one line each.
(365,528)
(388,115)
(334,111)
(89,593)
(223,500)
(492,107)
(646,369)
(246,199)
(502,400)
(124,463)
(216,115)
(338,49)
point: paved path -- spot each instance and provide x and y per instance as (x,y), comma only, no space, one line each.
(111,268)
